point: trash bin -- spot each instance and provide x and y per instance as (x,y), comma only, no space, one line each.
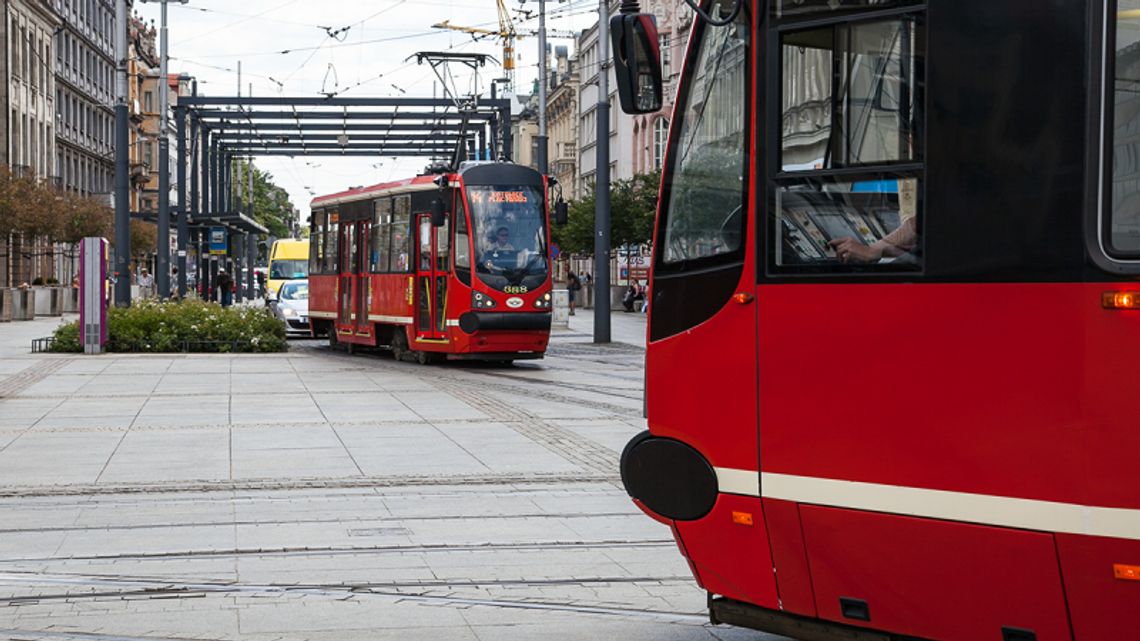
(561,311)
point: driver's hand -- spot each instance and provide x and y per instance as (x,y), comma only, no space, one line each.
(850,250)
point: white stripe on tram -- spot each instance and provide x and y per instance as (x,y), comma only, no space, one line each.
(399,320)
(1004,511)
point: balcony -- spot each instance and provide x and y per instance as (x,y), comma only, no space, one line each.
(140,173)
(567,151)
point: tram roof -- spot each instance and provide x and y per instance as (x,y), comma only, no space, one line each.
(419,183)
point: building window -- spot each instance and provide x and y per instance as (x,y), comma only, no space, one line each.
(666,55)
(660,137)
(148,102)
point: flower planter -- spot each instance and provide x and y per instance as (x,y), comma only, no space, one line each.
(23,304)
(6,296)
(48,301)
(71,300)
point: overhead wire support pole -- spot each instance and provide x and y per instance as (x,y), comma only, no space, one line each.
(602,185)
(183,210)
(122,267)
(191,208)
(541,139)
(162,268)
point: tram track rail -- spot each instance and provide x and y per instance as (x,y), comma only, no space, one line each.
(305,551)
(316,521)
(352,482)
(100,588)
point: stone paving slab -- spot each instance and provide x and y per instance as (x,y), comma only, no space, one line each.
(314,495)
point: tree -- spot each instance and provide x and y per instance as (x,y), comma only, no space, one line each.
(633,207)
(271,205)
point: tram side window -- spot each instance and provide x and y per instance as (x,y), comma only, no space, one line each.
(381,233)
(851,94)
(705,186)
(401,239)
(1122,233)
(462,239)
(851,97)
(793,8)
(316,246)
(332,236)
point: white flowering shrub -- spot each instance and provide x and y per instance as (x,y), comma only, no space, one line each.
(186,326)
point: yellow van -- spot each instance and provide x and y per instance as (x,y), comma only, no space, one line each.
(288,260)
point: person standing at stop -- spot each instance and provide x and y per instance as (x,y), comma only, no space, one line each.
(225,286)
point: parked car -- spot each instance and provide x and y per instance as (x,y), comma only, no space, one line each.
(291,305)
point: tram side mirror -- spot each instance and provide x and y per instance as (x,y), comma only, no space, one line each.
(637,62)
(561,212)
(438,213)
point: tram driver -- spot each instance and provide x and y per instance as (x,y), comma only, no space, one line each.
(500,251)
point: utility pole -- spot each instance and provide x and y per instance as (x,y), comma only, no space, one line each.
(543,166)
(163,266)
(602,184)
(122,268)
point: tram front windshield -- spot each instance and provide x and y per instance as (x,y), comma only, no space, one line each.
(508,226)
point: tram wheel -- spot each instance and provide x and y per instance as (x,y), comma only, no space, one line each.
(400,349)
(427,358)
(333,342)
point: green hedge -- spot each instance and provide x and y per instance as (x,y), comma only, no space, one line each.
(187,326)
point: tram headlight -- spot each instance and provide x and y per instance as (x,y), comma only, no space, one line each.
(543,301)
(480,300)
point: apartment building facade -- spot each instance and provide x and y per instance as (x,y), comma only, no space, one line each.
(85,95)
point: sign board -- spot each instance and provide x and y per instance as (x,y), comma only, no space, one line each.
(633,268)
(218,241)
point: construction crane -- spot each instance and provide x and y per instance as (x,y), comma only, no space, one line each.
(506,32)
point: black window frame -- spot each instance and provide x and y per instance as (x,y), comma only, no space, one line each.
(774,177)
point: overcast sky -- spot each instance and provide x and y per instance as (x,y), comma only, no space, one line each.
(356,47)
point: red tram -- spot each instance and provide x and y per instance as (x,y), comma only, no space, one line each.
(894,341)
(454,264)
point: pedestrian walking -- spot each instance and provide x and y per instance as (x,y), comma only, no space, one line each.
(572,287)
(146,284)
(224,283)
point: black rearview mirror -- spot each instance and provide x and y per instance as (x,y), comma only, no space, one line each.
(637,62)
(438,213)
(561,212)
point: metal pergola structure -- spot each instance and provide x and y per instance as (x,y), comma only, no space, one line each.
(213,132)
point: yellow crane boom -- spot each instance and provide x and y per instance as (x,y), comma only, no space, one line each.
(506,32)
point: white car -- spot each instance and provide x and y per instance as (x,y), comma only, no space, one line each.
(292,306)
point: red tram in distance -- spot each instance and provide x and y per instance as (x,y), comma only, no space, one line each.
(894,336)
(454,264)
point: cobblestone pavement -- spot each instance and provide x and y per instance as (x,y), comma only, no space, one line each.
(318,495)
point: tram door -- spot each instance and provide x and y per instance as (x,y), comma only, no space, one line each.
(345,276)
(431,279)
(353,285)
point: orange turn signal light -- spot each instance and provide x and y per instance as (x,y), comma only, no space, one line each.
(1126,572)
(1120,300)
(742,518)
(744,298)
